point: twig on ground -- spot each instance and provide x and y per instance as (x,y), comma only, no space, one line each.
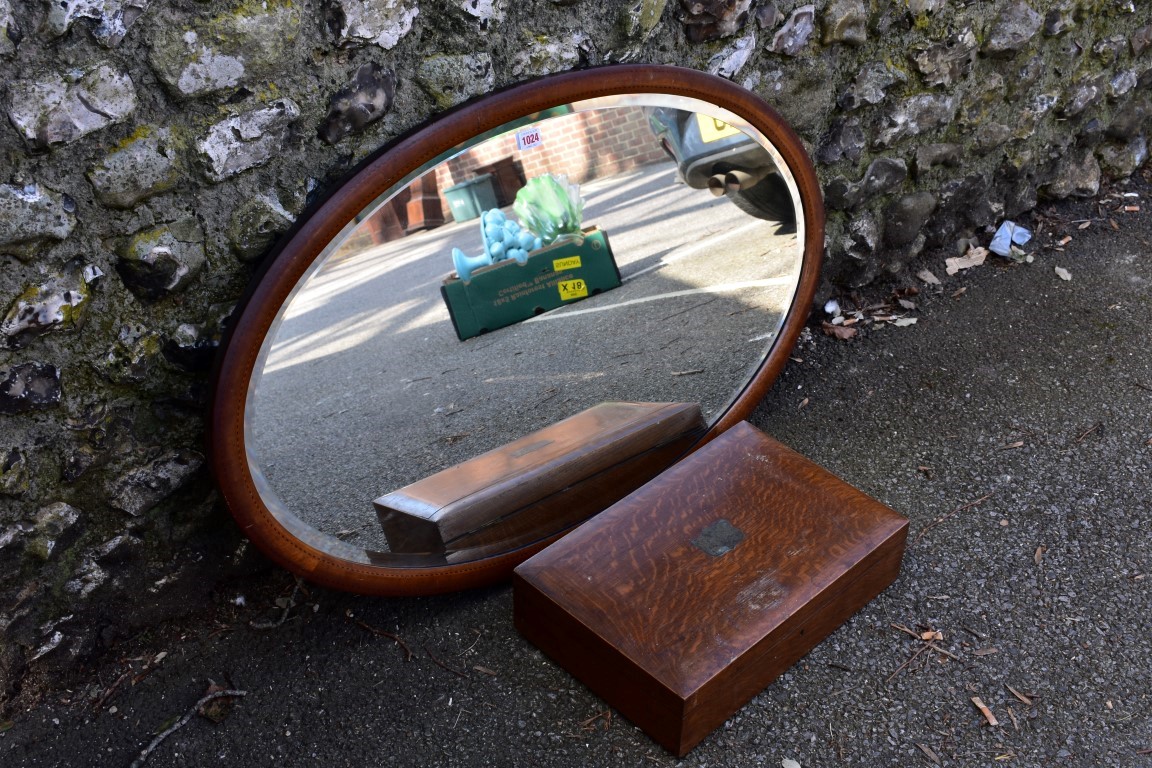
(376,631)
(289,604)
(929,753)
(1087,432)
(974,632)
(479,634)
(442,665)
(1023,698)
(938,649)
(980,705)
(147,751)
(913,658)
(905,629)
(949,516)
(928,639)
(590,723)
(111,689)
(1012,716)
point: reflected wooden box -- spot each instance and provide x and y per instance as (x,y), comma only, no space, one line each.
(684,600)
(541,484)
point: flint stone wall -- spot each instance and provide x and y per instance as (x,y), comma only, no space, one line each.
(151,152)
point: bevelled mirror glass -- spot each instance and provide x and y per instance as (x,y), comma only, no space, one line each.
(509,319)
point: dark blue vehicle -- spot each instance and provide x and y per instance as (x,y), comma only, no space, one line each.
(712,155)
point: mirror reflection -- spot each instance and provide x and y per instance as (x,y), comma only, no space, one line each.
(414,347)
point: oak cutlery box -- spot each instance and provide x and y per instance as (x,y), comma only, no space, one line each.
(540,484)
(682,601)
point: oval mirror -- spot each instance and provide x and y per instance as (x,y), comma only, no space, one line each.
(507,320)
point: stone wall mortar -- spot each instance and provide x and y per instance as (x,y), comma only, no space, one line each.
(150,153)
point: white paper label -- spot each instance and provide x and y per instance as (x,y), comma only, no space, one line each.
(529,138)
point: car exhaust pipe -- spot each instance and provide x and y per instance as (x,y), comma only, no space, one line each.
(717,186)
(737,181)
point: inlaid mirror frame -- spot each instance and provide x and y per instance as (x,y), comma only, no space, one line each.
(290,542)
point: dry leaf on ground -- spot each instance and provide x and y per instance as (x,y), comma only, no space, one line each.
(974,258)
(842,332)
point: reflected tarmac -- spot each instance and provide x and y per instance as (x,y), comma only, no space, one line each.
(367,387)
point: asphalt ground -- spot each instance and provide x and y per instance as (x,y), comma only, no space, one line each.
(1012,423)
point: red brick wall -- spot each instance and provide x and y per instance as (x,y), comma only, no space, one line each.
(584,146)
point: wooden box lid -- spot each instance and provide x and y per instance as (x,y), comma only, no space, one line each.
(686,598)
(535,486)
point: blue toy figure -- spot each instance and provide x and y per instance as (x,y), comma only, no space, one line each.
(503,239)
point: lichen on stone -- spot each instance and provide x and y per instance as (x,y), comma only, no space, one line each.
(227,50)
(247,140)
(638,18)
(255,224)
(56,304)
(157,262)
(131,356)
(50,530)
(109,19)
(486,12)
(142,488)
(63,108)
(450,80)
(546,55)
(372,22)
(15,478)
(9,31)
(33,216)
(142,167)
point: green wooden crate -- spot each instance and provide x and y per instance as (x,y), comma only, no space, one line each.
(507,292)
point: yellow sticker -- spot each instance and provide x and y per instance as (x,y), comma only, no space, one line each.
(712,129)
(571,262)
(572,289)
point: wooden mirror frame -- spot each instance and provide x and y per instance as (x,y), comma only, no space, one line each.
(287,542)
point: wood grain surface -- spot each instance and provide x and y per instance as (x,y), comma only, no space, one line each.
(542,483)
(677,638)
